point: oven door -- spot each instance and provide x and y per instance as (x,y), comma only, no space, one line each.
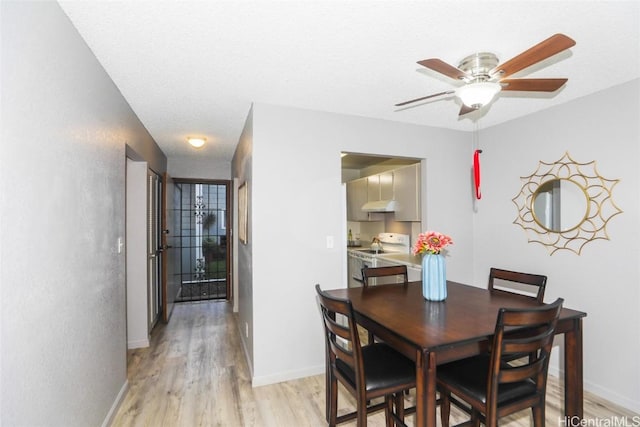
(356,264)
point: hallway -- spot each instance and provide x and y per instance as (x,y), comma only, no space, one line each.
(187,379)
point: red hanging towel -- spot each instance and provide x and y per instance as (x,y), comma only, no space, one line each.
(476,172)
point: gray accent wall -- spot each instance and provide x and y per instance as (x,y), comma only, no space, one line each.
(242,170)
(65,128)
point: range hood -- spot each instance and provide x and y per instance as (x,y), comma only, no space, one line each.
(380,206)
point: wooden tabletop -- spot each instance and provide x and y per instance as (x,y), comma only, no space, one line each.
(468,313)
(431,333)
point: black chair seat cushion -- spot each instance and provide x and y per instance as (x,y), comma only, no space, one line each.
(383,367)
(470,376)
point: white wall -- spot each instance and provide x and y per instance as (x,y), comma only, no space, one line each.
(137,255)
(296,203)
(198,168)
(604,280)
(296,198)
(62,210)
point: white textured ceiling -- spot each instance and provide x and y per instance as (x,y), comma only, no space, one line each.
(195,67)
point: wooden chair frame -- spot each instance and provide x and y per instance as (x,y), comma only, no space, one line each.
(343,347)
(392,270)
(536,328)
(388,271)
(534,280)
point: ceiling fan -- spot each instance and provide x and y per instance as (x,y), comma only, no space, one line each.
(483,78)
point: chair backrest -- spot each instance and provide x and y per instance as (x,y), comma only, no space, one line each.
(393,270)
(529,331)
(341,333)
(535,281)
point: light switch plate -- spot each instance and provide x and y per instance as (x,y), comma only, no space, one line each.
(330,242)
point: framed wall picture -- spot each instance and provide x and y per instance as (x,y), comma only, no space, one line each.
(243,212)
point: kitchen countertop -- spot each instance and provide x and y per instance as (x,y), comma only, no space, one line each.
(407,259)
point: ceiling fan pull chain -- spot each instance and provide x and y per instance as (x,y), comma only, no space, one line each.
(476,173)
(476,159)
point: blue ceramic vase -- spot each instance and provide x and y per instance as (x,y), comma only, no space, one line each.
(434,277)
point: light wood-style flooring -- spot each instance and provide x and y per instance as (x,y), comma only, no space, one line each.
(194,374)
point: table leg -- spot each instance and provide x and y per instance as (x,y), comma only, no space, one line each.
(573,371)
(425,389)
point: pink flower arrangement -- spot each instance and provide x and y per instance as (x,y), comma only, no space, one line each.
(431,242)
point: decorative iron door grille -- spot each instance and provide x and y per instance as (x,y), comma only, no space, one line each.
(203,241)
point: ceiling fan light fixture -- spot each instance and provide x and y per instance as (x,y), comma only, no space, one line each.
(196,142)
(476,95)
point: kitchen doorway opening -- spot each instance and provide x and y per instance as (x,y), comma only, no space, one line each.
(202,207)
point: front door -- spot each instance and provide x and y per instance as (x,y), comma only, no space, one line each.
(203,209)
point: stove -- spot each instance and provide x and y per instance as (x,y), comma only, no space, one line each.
(389,243)
(366,257)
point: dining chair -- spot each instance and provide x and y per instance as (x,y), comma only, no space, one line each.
(494,388)
(388,271)
(367,372)
(507,282)
(532,282)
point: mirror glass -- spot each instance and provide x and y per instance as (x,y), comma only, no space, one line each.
(560,205)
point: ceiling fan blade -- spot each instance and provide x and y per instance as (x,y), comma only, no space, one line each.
(543,50)
(443,68)
(466,110)
(449,92)
(533,85)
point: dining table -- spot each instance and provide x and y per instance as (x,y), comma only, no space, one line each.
(435,332)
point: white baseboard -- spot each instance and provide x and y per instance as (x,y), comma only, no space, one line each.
(116,404)
(245,350)
(137,344)
(612,396)
(287,376)
(602,392)
(280,376)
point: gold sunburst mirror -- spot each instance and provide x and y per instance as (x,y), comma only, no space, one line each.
(565,205)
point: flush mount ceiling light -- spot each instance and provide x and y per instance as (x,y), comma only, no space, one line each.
(476,95)
(196,142)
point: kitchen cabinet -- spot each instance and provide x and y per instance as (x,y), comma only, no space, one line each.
(401,185)
(414,274)
(406,186)
(358,194)
(356,197)
(380,187)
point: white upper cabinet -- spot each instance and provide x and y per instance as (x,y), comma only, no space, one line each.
(380,187)
(401,185)
(356,197)
(406,185)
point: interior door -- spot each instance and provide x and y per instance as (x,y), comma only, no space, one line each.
(154,255)
(170,263)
